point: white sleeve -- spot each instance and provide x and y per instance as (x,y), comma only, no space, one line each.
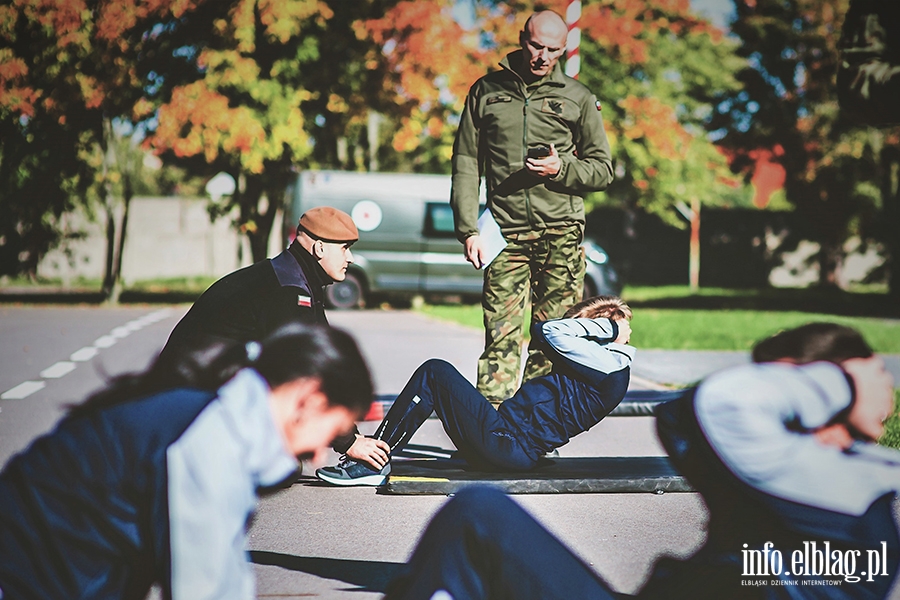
(758,417)
(588,342)
(210,499)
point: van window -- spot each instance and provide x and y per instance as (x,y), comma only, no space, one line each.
(439,220)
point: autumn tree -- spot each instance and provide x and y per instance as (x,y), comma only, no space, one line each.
(654,65)
(345,78)
(269,86)
(788,103)
(658,68)
(430,62)
(68,70)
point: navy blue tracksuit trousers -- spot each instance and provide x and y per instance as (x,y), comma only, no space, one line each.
(483,545)
(482,436)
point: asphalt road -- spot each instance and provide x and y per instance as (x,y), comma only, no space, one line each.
(312,541)
(315,541)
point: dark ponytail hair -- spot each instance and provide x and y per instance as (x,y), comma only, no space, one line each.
(292,352)
(813,342)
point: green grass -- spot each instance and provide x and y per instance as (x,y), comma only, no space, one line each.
(646,293)
(464,314)
(53,282)
(675,318)
(182,285)
(891,437)
(690,329)
(720,330)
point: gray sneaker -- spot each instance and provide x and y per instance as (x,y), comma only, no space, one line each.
(350,472)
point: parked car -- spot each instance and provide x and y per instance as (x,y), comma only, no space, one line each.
(407,243)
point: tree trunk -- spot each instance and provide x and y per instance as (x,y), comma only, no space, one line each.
(251,220)
(259,239)
(694,260)
(831,258)
(116,288)
(251,206)
(890,202)
(109,276)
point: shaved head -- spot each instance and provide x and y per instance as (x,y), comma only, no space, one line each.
(543,41)
(547,23)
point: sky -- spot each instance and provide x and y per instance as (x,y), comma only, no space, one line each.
(717,11)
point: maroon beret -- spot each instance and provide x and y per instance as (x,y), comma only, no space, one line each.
(329,225)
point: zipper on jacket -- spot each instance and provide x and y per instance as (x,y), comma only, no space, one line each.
(528,214)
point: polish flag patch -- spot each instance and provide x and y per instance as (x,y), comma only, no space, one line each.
(597,104)
(304,301)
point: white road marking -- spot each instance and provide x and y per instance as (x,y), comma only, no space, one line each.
(105,342)
(134,325)
(62,368)
(23,390)
(56,371)
(85,354)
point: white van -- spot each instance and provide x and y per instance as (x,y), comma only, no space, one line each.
(406,241)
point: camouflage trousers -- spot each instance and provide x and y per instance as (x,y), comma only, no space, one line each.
(542,269)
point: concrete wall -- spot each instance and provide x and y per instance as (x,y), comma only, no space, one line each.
(167,238)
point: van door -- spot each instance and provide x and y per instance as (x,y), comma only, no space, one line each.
(446,267)
(389,254)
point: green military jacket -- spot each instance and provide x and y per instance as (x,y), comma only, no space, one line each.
(501,120)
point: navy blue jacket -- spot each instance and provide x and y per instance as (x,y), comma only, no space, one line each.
(107,503)
(587,382)
(85,508)
(743,517)
(252,302)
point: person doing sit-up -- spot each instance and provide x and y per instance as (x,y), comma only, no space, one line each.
(783,452)
(591,370)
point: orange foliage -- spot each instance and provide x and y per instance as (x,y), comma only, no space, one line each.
(619,25)
(18,98)
(79,33)
(63,17)
(407,138)
(768,174)
(207,113)
(433,58)
(282,18)
(115,18)
(423,43)
(650,119)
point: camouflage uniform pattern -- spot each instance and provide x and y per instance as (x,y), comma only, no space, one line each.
(545,269)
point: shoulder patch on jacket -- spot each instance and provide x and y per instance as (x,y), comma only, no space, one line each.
(553,105)
(495,99)
(597,104)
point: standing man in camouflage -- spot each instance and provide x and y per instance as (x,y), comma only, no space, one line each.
(537,137)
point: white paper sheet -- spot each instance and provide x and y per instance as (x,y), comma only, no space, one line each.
(492,240)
